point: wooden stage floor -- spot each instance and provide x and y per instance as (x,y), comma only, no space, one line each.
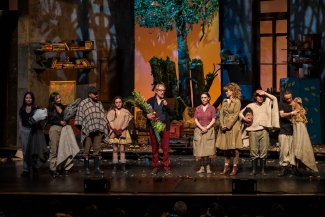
(183,181)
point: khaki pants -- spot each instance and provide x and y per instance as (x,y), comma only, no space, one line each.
(54,134)
(287,154)
(232,153)
(259,143)
(94,139)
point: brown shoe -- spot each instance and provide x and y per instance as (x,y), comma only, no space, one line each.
(226,170)
(234,171)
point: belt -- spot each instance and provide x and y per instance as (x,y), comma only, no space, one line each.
(27,126)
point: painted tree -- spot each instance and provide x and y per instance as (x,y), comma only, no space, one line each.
(180,15)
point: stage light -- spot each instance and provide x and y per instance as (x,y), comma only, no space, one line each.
(244,186)
(96,185)
(155,4)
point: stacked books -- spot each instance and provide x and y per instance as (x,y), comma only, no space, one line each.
(85,62)
(58,46)
(74,47)
(58,65)
(46,46)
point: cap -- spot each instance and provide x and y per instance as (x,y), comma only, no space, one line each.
(92,89)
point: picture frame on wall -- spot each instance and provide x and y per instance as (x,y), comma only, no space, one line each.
(66,89)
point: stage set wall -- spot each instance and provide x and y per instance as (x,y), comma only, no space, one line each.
(108,23)
(71,20)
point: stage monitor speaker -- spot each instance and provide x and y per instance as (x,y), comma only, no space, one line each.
(96,185)
(244,186)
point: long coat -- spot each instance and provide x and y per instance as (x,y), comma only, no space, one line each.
(230,139)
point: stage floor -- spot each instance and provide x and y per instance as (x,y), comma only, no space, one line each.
(183,181)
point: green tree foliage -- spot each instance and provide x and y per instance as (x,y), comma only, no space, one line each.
(172,14)
(180,15)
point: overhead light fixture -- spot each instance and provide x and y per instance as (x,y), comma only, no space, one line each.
(155,4)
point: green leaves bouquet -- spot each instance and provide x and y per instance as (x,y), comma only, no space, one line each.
(156,124)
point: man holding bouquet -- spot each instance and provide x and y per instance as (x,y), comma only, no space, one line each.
(161,110)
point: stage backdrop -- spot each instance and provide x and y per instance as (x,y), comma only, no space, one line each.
(151,42)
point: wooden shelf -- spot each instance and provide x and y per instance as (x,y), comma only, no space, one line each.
(40,70)
(38,51)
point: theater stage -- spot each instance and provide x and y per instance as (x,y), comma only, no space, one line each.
(183,181)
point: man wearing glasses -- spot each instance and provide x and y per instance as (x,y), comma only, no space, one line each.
(161,107)
(287,155)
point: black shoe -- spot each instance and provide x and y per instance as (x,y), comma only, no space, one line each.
(97,163)
(123,167)
(283,171)
(295,171)
(35,171)
(254,167)
(86,163)
(54,173)
(263,166)
(24,173)
(115,168)
(65,173)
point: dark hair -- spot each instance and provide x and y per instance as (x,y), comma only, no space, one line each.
(206,93)
(247,110)
(113,107)
(217,210)
(286,92)
(255,94)
(153,211)
(51,107)
(24,101)
(22,108)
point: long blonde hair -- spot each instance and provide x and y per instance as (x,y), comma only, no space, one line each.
(236,92)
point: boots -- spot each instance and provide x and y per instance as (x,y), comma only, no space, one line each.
(86,162)
(263,166)
(295,171)
(123,167)
(201,170)
(254,166)
(115,167)
(234,170)
(226,170)
(35,171)
(282,171)
(96,164)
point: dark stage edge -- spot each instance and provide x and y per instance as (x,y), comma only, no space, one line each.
(183,181)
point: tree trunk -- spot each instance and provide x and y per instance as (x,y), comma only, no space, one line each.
(198,81)
(183,65)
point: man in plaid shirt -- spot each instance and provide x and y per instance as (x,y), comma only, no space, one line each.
(90,119)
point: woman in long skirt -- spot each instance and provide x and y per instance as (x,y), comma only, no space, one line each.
(204,135)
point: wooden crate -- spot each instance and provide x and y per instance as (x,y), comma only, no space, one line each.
(176,130)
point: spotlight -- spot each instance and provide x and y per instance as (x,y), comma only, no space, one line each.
(155,4)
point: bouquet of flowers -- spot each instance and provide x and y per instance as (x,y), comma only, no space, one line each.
(156,124)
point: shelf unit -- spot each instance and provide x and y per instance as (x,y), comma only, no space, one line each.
(41,59)
(306,56)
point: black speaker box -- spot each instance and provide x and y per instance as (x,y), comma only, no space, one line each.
(96,185)
(244,186)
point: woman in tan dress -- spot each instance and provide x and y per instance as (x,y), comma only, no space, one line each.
(229,135)
(204,135)
(119,119)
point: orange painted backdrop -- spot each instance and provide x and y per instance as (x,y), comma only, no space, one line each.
(150,43)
